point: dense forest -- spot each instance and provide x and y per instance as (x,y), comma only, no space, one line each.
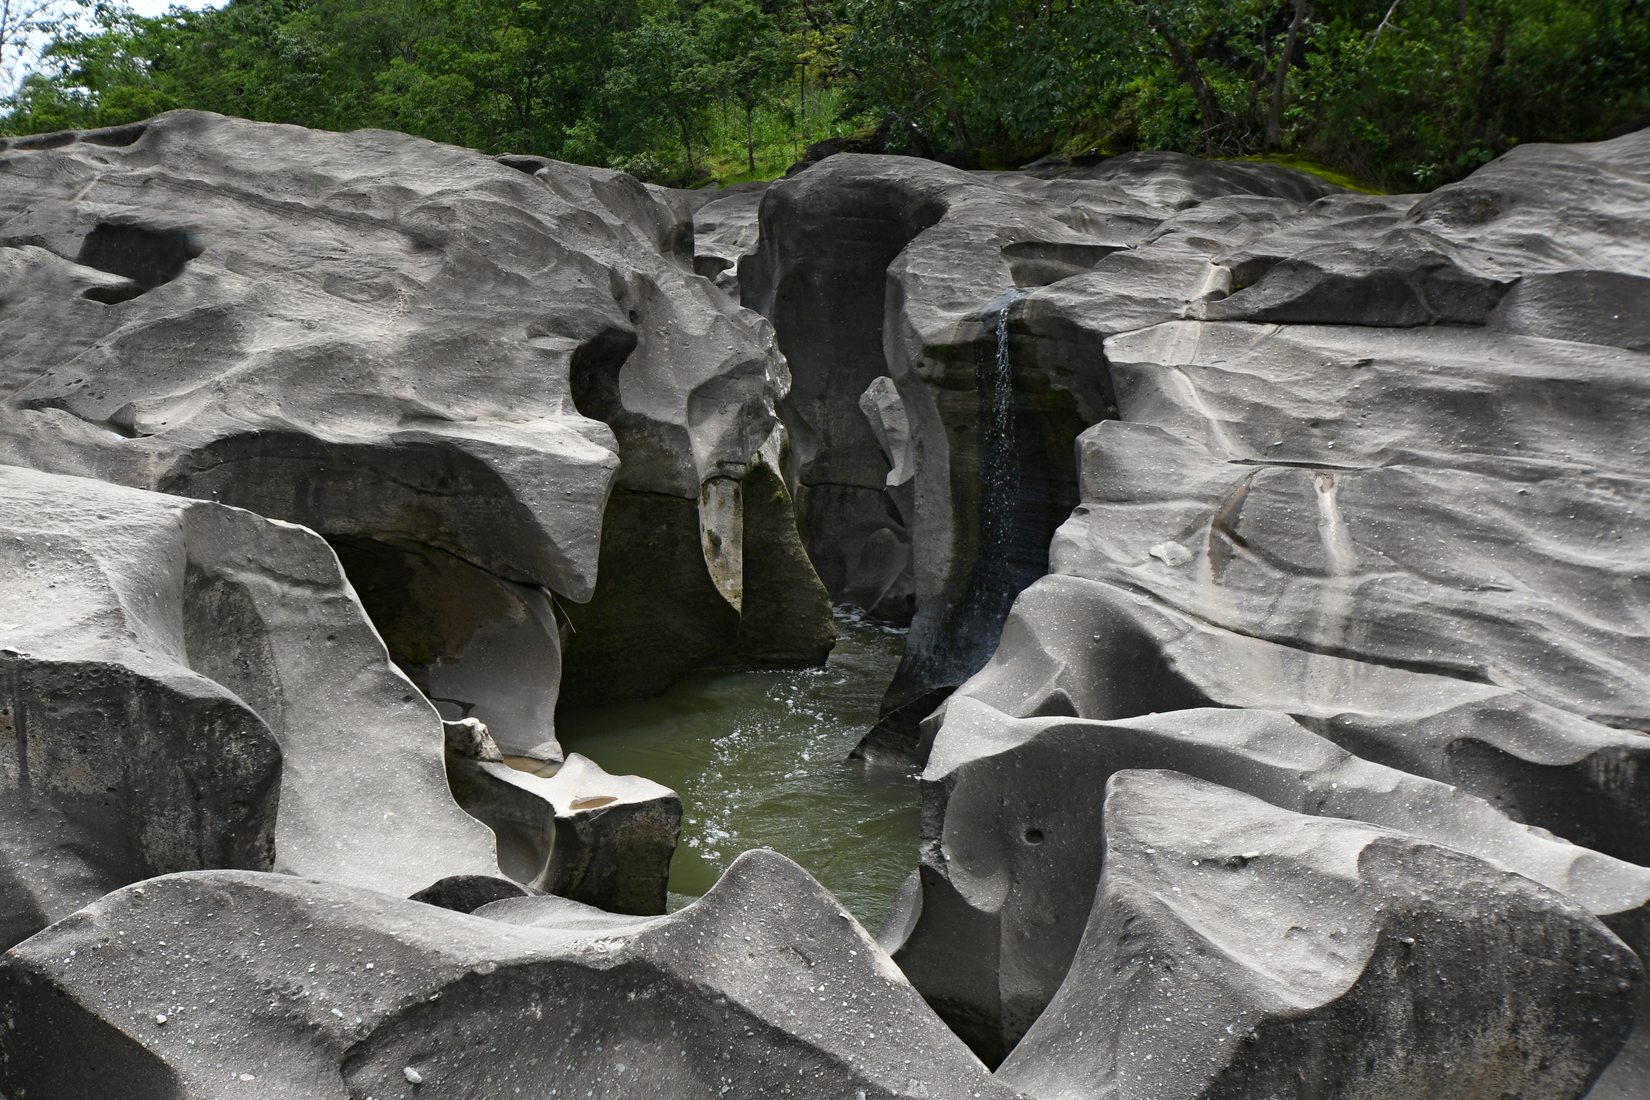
(1401,94)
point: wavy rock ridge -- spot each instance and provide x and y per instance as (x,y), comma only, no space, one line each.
(1358,470)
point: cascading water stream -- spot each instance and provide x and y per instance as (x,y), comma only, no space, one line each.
(999,452)
(999,571)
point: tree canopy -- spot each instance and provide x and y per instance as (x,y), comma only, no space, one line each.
(1402,93)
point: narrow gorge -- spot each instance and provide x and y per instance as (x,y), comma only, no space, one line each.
(1140,628)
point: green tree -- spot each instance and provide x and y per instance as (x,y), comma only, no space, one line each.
(665,74)
(747,53)
(990,75)
(1404,92)
(25,27)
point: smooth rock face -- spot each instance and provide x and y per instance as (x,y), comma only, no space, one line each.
(467,893)
(323,328)
(478,646)
(286,987)
(1288,955)
(392,342)
(725,231)
(1178,181)
(176,672)
(1002,785)
(1375,464)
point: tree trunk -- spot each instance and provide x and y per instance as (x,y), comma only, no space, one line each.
(1492,106)
(1386,21)
(750,137)
(687,141)
(1274,109)
(959,130)
(1207,106)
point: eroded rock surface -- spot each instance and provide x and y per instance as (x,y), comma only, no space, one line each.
(285,987)
(1332,505)
(1002,787)
(580,833)
(932,439)
(1330,481)
(725,231)
(1289,955)
(191,686)
(397,344)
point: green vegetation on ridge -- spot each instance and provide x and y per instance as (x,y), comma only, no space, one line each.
(1404,94)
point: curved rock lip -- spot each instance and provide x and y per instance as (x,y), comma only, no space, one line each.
(374,986)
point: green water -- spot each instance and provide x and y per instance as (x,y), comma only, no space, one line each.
(760,760)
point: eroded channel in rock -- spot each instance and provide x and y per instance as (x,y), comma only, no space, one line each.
(759,758)
(1316,755)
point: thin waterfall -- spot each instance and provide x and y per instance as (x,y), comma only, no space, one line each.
(999,455)
(1014,513)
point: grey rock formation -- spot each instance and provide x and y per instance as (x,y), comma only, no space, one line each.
(578,832)
(1177,181)
(691,402)
(1371,464)
(991,959)
(345,367)
(479,646)
(725,230)
(467,893)
(1333,505)
(351,332)
(177,671)
(1367,462)
(898,285)
(1286,955)
(1306,538)
(283,987)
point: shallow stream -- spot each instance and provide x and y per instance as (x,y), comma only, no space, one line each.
(760,760)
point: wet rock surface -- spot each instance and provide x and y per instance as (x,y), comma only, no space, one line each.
(1274,558)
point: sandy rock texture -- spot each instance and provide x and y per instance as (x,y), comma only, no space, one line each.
(443,362)
(187,686)
(1370,476)
(287,987)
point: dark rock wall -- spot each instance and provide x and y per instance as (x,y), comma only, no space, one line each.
(654,598)
(819,274)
